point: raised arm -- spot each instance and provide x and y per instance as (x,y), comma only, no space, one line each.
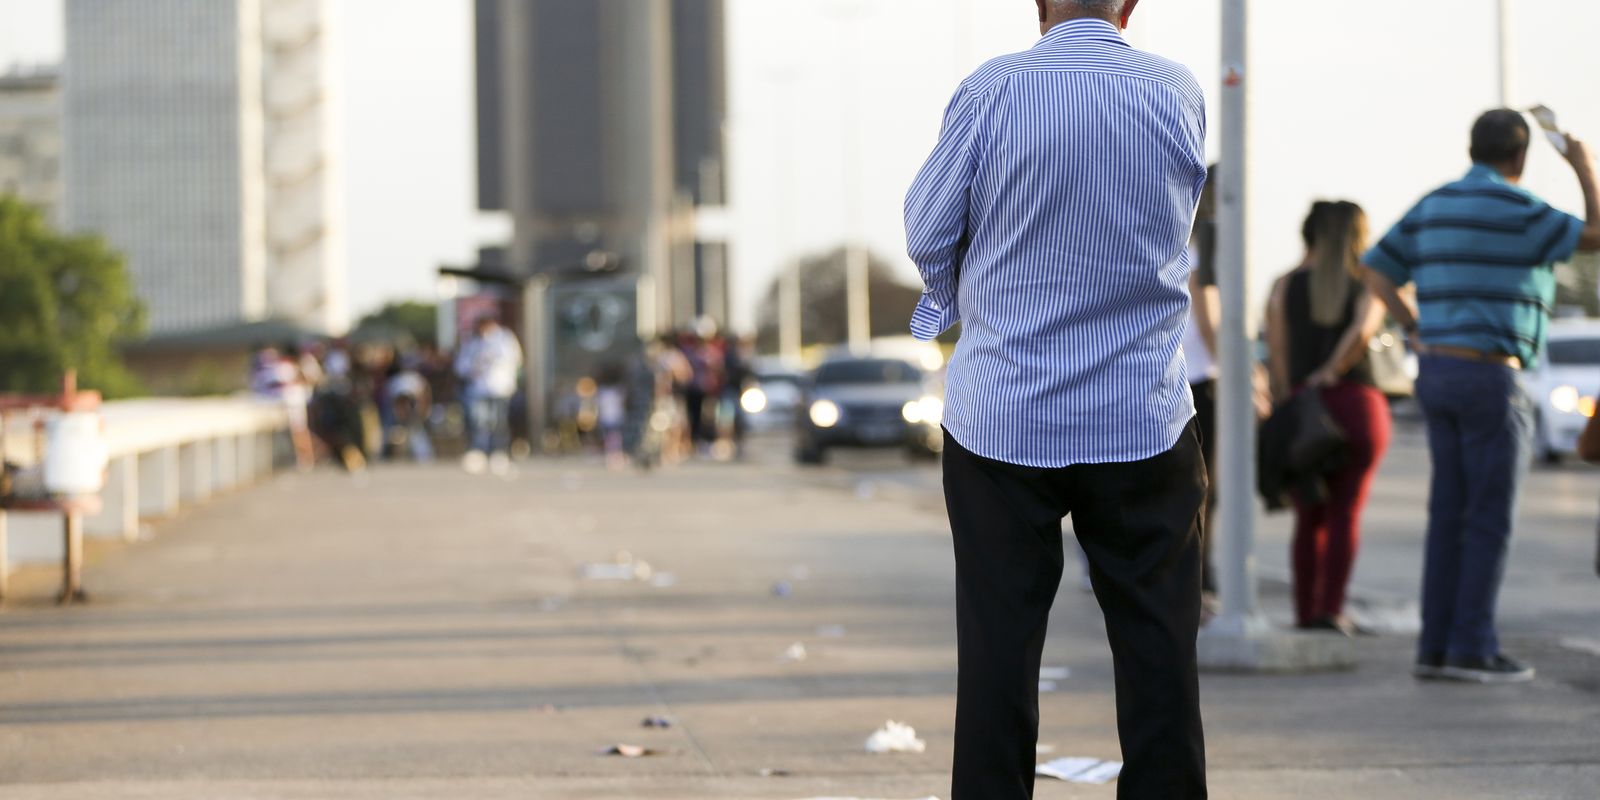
(1583,164)
(936,217)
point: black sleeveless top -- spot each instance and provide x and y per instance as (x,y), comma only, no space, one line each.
(1311,344)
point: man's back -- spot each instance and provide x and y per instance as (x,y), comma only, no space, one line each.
(1480,251)
(1052,222)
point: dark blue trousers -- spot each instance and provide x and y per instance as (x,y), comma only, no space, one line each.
(1480,433)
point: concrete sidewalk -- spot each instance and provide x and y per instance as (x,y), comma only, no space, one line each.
(422,633)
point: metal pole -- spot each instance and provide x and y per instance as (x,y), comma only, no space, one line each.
(536,330)
(789,336)
(1504,47)
(1236,418)
(857,288)
(72,559)
(858,312)
(5,566)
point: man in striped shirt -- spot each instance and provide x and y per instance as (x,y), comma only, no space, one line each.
(1052,221)
(1481,252)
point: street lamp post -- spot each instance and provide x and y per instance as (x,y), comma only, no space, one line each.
(1503,34)
(1236,421)
(1240,639)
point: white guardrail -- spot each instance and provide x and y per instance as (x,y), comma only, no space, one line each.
(163,454)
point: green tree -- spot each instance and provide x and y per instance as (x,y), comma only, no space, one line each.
(65,303)
(410,319)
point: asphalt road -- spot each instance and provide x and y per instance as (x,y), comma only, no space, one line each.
(422,633)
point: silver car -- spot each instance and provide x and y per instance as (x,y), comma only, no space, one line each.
(868,402)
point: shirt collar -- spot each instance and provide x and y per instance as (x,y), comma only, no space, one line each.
(1087,29)
(1483,172)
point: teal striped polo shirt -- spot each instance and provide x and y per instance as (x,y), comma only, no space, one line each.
(1482,253)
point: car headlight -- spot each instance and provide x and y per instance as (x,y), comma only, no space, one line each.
(753,401)
(926,409)
(1586,406)
(1565,399)
(912,411)
(824,414)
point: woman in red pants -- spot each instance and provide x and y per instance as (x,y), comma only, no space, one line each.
(1319,322)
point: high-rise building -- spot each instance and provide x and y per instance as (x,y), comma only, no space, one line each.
(198,142)
(600,127)
(30,137)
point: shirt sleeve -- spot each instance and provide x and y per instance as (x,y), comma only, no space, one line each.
(1556,234)
(1395,255)
(936,217)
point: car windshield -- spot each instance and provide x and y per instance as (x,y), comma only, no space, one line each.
(777,377)
(1575,351)
(874,371)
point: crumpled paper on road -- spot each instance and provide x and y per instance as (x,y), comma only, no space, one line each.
(1081,770)
(895,737)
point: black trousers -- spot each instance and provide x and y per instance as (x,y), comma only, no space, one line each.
(1205,415)
(1139,524)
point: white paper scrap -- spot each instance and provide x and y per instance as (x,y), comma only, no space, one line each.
(1081,770)
(895,737)
(1047,686)
(1055,673)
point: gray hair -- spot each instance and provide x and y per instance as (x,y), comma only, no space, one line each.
(1101,6)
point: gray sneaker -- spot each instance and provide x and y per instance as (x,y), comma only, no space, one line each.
(1493,669)
(1429,668)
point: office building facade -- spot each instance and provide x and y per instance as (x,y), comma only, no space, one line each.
(30,137)
(197,142)
(600,128)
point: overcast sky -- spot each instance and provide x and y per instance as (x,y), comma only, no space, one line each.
(1367,100)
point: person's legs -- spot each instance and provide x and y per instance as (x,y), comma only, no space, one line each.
(1497,430)
(1139,523)
(1005,522)
(1363,414)
(499,411)
(1437,392)
(1205,415)
(480,424)
(1307,553)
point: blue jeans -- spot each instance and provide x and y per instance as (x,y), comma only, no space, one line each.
(489,423)
(1480,435)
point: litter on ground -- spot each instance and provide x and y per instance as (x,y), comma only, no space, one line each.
(895,737)
(629,751)
(1081,770)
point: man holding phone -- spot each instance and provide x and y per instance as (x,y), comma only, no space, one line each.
(1481,252)
(1052,220)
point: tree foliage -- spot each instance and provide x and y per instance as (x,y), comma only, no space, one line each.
(414,320)
(65,302)
(824,307)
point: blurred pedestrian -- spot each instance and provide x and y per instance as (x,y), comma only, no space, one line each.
(1200,359)
(276,375)
(1319,322)
(1052,220)
(611,415)
(410,405)
(1481,252)
(488,364)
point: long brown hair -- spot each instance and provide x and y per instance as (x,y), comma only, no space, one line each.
(1338,237)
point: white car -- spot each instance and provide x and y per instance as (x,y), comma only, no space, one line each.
(770,399)
(1564,386)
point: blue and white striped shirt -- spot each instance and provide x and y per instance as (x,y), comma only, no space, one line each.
(1052,221)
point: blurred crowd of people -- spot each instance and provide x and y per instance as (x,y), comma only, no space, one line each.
(352,403)
(676,398)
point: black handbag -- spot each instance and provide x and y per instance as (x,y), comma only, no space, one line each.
(1298,447)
